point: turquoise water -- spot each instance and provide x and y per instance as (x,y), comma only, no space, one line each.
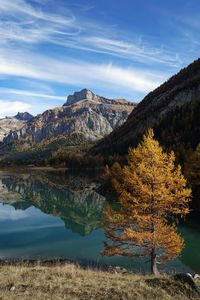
(47,215)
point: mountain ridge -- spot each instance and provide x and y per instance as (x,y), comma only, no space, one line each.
(24,116)
(179,91)
(10,124)
(84,113)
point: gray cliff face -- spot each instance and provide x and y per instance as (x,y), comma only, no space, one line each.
(24,116)
(77,96)
(13,124)
(84,112)
(9,125)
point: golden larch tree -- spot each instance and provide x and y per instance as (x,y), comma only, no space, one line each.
(151,191)
(111,177)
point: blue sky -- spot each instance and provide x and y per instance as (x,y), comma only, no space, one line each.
(51,48)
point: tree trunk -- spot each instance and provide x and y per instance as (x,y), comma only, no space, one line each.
(154,269)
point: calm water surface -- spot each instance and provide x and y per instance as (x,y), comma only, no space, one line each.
(46,215)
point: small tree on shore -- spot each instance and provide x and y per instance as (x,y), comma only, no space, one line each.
(152,190)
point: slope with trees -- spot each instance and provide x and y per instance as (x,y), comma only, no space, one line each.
(172,110)
(192,172)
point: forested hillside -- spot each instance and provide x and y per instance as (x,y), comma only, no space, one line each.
(172,110)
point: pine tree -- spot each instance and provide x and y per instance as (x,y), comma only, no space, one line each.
(192,167)
(151,191)
(192,173)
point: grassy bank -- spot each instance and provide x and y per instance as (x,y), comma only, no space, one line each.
(22,281)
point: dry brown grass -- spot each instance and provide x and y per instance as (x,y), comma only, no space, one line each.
(73,282)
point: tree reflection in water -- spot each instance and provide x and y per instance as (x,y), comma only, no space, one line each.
(70,197)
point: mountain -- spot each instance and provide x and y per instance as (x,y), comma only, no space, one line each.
(10,124)
(85,114)
(25,116)
(172,110)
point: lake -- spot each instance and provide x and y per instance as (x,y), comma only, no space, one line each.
(45,215)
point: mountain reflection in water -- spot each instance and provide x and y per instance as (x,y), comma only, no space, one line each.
(48,215)
(72,198)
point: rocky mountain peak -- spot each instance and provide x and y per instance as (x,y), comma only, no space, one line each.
(11,124)
(84,94)
(25,116)
(92,118)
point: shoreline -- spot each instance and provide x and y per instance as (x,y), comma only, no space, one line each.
(70,281)
(47,169)
(29,168)
(93,265)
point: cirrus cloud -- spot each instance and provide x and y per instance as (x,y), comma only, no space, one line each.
(76,72)
(9,108)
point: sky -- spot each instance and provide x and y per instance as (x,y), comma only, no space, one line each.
(117,49)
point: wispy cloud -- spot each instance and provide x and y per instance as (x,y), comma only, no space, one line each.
(30,65)
(8,108)
(15,100)
(35,86)
(28,93)
(21,22)
(138,51)
(39,45)
(67,31)
(15,7)
(185,27)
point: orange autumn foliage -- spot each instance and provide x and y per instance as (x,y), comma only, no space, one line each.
(151,191)
(111,177)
